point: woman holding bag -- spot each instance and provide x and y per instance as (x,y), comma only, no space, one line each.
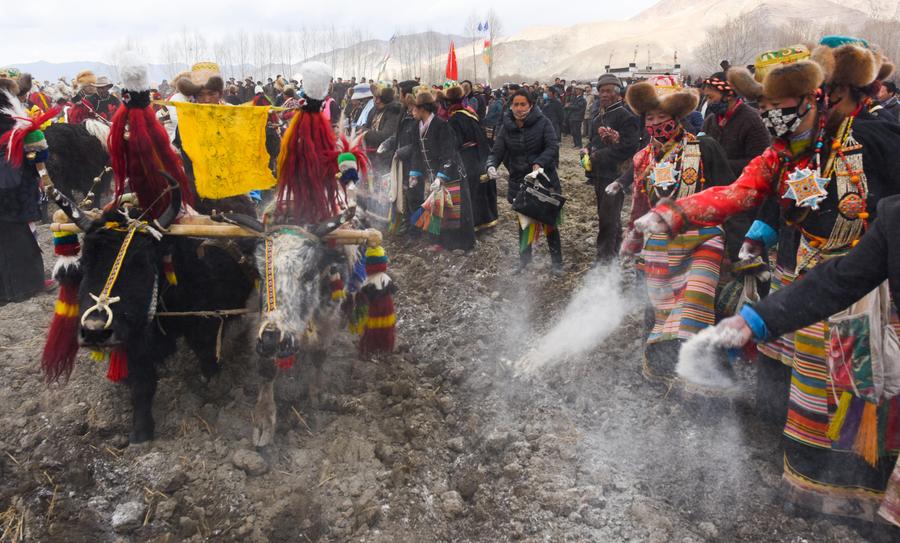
(447,211)
(525,143)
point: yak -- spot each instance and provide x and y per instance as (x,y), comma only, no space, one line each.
(307,317)
(206,278)
(79,159)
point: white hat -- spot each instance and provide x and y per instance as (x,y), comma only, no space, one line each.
(258,90)
(361,91)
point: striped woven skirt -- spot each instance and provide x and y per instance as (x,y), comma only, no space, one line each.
(782,348)
(681,275)
(821,474)
(457,228)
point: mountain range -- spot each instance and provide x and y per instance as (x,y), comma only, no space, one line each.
(665,33)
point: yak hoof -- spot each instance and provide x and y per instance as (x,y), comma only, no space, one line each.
(140,436)
(264,416)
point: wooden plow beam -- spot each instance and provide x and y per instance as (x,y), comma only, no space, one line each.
(201,226)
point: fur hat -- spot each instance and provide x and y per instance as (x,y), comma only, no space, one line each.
(454,93)
(83,79)
(851,61)
(645,96)
(386,95)
(785,73)
(424,97)
(203,76)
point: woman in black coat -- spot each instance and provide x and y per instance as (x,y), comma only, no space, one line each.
(473,150)
(21,265)
(527,141)
(436,162)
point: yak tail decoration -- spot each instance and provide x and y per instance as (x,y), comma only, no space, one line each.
(139,149)
(379,330)
(61,347)
(118,365)
(308,187)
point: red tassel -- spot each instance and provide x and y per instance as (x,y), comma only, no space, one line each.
(140,158)
(307,170)
(118,366)
(285,363)
(62,338)
(380,333)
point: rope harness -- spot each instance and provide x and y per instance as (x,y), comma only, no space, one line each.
(103,301)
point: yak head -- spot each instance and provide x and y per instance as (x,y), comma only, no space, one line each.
(303,267)
(113,318)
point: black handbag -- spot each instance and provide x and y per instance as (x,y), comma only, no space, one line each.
(538,202)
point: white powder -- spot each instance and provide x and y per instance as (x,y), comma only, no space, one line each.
(700,359)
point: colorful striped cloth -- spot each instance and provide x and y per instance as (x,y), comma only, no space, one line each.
(453,214)
(782,348)
(682,274)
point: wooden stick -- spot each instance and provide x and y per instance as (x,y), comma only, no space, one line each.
(217,230)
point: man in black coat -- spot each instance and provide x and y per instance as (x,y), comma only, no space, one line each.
(575,115)
(553,109)
(615,135)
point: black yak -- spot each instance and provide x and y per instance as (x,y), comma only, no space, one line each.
(126,321)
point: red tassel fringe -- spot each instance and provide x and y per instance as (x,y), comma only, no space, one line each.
(13,141)
(307,168)
(140,158)
(285,363)
(62,337)
(118,366)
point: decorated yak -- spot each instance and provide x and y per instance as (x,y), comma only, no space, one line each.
(137,293)
(306,276)
(79,163)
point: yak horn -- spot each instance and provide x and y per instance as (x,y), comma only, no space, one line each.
(168,217)
(70,208)
(332,224)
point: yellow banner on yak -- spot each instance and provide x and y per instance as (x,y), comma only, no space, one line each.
(227,146)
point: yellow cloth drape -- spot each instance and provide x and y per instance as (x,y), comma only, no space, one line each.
(227,146)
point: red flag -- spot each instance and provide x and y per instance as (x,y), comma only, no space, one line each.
(451,71)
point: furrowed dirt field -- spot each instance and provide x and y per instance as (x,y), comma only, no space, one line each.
(442,441)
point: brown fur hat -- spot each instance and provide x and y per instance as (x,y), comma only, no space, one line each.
(793,80)
(203,76)
(642,97)
(784,81)
(454,93)
(851,64)
(424,97)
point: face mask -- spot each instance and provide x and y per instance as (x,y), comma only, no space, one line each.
(718,108)
(662,131)
(782,122)
(521,115)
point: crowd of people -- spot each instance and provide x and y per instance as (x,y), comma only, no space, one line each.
(775,177)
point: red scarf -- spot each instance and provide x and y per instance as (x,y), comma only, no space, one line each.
(723,120)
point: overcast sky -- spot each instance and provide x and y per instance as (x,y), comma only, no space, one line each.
(62,31)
